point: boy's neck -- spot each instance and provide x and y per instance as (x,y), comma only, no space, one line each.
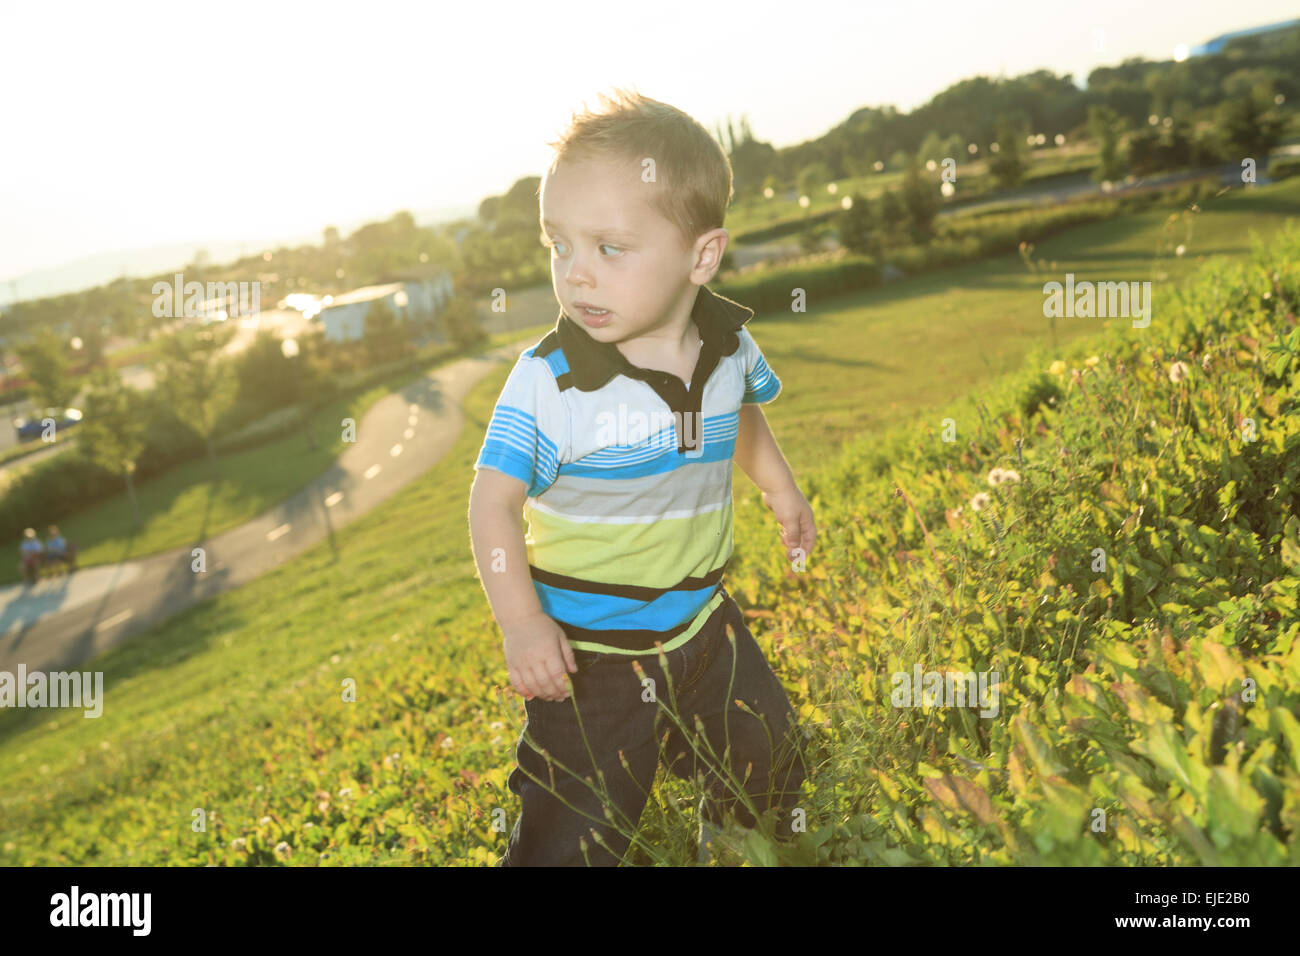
(677,335)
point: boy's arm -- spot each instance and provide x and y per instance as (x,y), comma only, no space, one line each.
(537,652)
(760,458)
(758,455)
(496,503)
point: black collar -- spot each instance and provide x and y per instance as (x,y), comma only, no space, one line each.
(592,364)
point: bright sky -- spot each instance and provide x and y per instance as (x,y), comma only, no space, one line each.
(129,124)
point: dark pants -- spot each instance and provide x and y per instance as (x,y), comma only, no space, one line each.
(610,730)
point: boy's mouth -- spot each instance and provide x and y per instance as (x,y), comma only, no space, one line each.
(593,318)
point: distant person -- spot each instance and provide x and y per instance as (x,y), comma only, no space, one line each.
(33,552)
(56,549)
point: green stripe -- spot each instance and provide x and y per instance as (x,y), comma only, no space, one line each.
(676,642)
(655,555)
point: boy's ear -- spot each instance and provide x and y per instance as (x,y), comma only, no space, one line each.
(710,249)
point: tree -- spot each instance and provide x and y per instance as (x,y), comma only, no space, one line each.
(869,227)
(921,201)
(459,322)
(45,360)
(1105,126)
(91,333)
(931,148)
(1249,127)
(196,381)
(954,147)
(267,378)
(813,179)
(752,162)
(857,227)
(1156,148)
(384,338)
(1008,164)
(112,433)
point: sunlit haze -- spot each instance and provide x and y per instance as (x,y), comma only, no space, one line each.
(136,125)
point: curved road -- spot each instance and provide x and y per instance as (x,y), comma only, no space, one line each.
(63,621)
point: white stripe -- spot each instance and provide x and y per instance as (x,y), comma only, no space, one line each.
(627,519)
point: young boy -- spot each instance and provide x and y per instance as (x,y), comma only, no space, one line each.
(614,435)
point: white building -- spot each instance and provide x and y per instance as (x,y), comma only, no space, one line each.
(344,317)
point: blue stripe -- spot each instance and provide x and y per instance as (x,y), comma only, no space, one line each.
(557,363)
(506,460)
(515,446)
(717,429)
(604,612)
(531,445)
(761,384)
(661,464)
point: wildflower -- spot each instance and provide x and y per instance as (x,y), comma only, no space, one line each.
(1010,475)
(1180,250)
(264,821)
(308,825)
(1205,362)
(496,725)
(1057,367)
(1178,371)
(238,843)
(980,500)
(1076,376)
(282,849)
(1091,361)
(995,477)
(345,793)
(446,744)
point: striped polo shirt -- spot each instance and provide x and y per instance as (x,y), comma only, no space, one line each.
(628,472)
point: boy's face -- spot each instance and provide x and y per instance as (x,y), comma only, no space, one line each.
(613,250)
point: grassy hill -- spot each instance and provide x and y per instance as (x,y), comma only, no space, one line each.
(1119,690)
(888,340)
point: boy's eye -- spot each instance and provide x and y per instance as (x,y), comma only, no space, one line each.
(549,244)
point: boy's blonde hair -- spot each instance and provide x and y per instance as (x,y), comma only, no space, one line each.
(692,176)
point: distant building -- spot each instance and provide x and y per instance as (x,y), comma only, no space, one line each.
(412,300)
(1218,43)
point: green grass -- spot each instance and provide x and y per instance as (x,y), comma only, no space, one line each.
(193,705)
(234,706)
(920,342)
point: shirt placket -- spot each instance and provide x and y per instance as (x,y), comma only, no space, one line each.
(683,403)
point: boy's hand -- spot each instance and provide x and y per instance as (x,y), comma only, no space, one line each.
(537,655)
(795,516)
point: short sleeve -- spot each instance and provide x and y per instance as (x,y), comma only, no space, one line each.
(761,384)
(527,435)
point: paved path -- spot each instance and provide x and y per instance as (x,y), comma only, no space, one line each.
(64,621)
